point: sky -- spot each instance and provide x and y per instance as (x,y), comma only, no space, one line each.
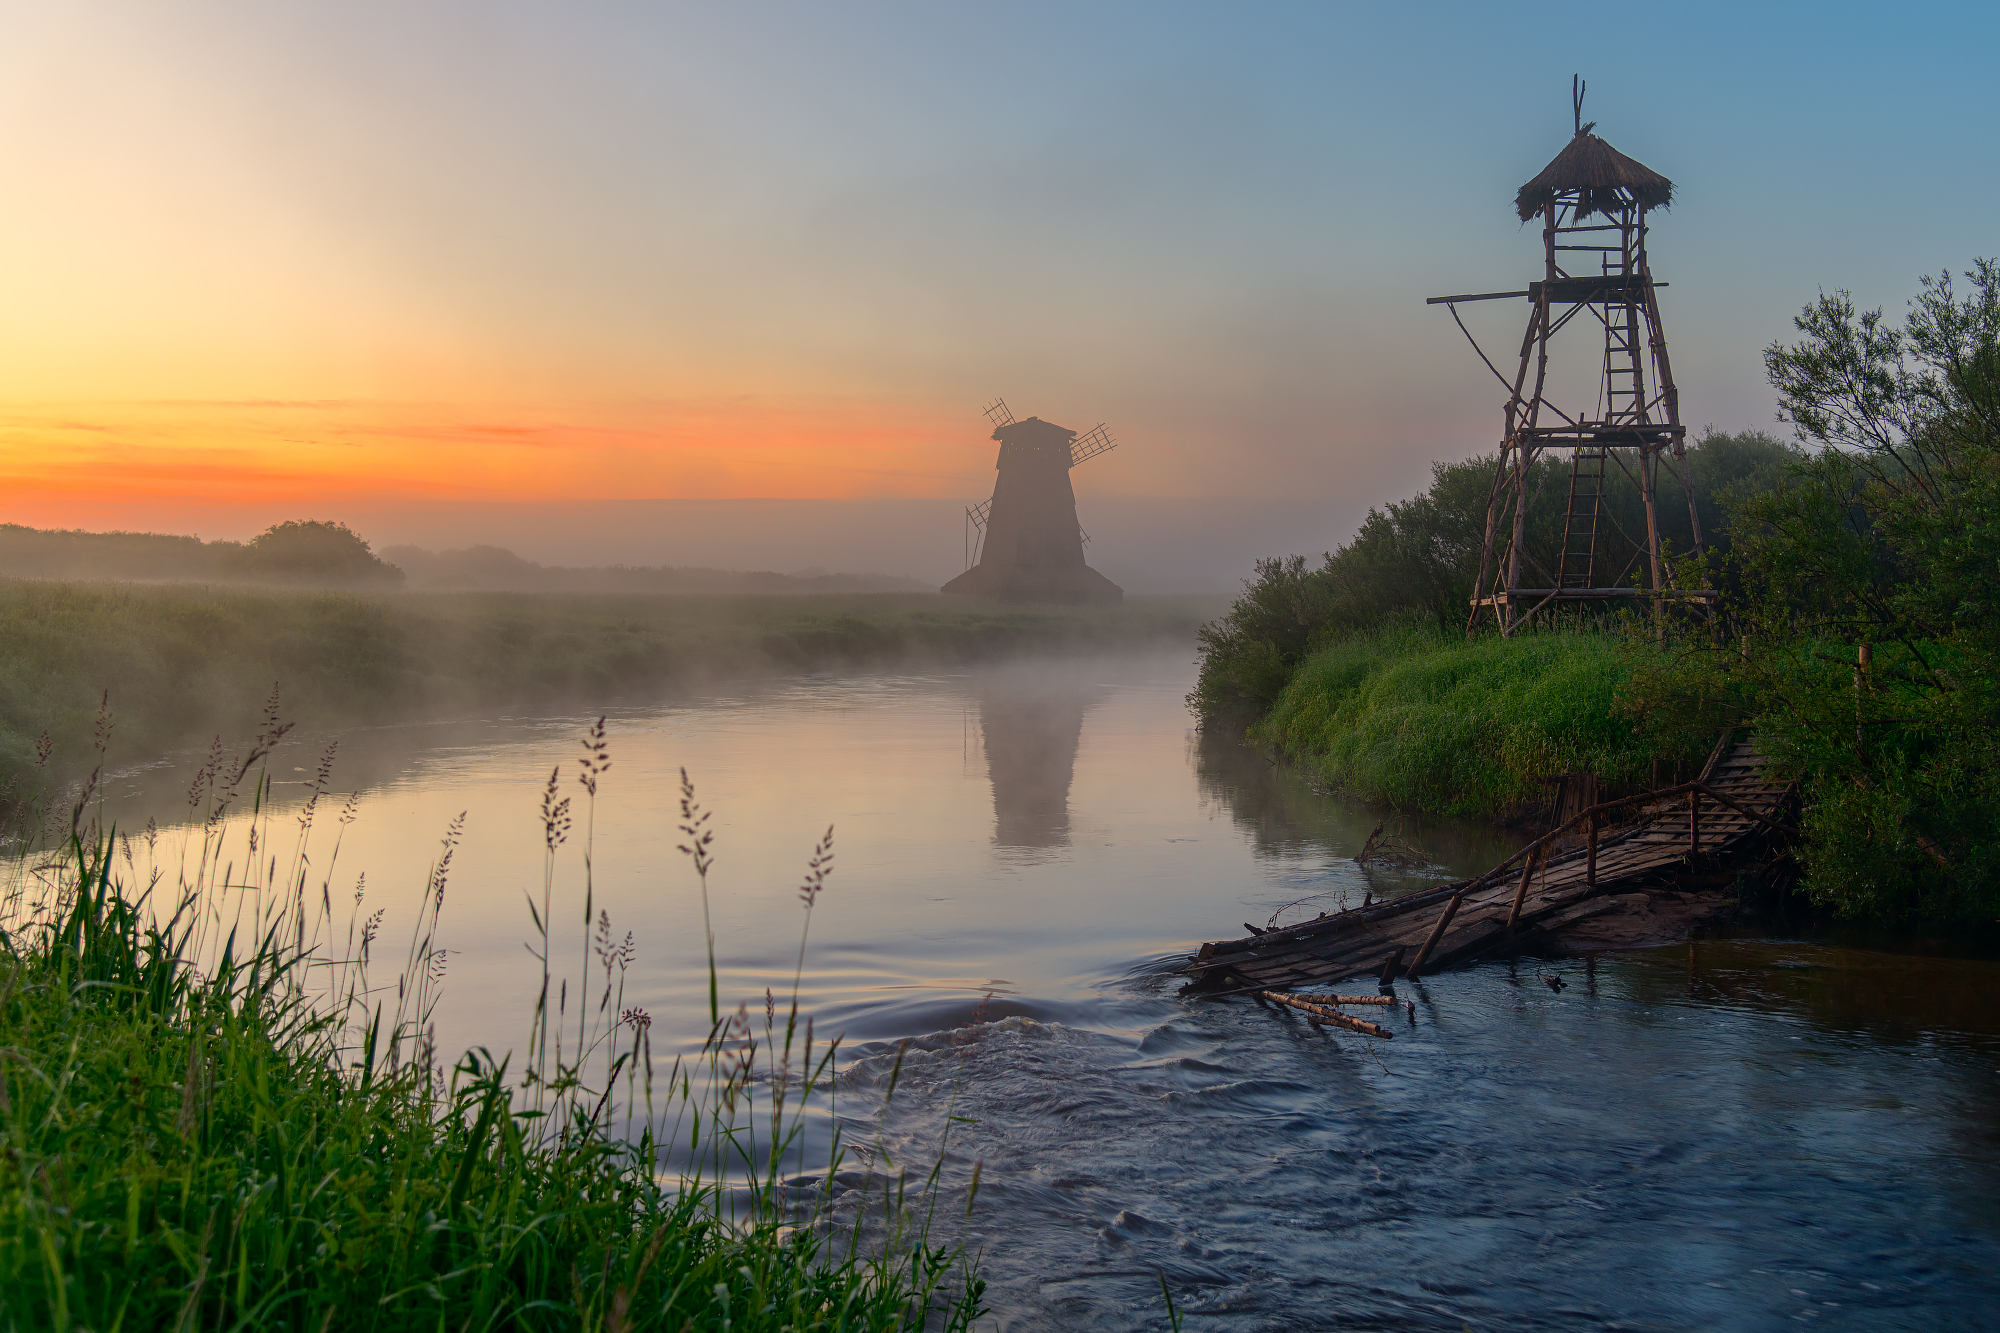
(730,284)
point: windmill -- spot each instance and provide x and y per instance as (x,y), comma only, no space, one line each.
(1593,201)
(1024,544)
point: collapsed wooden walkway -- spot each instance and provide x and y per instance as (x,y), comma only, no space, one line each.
(1705,831)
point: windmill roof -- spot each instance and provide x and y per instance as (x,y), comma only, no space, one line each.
(1034,428)
(1603,178)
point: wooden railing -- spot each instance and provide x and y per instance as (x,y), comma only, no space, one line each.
(1590,818)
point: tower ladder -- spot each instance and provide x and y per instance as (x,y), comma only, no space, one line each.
(1586,503)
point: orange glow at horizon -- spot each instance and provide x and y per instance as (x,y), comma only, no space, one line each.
(71,458)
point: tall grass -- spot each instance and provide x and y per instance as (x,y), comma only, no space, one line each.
(1426,719)
(213,1115)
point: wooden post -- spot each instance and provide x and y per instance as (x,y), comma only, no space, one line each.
(1391,963)
(1663,369)
(1648,470)
(1493,500)
(1437,933)
(1590,857)
(1521,893)
(1524,452)
(1694,822)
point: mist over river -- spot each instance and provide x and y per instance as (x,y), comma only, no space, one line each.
(1747,1134)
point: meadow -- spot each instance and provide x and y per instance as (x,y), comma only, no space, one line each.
(183,663)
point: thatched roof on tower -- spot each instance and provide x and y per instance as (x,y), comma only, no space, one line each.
(1604,178)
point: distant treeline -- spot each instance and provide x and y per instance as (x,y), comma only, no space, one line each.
(496,569)
(314,553)
(330,555)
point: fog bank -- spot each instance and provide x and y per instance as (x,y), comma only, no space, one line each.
(1146,545)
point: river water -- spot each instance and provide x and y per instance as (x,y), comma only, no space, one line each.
(1750,1133)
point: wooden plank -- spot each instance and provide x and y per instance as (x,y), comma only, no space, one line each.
(1471,941)
(1479,296)
(1585,911)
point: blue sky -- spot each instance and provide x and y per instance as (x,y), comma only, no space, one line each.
(1213,226)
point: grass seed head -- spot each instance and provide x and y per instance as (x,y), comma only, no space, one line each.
(555,813)
(100,734)
(818,866)
(596,757)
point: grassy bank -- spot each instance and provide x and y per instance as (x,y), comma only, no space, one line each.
(211,1117)
(1426,719)
(183,663)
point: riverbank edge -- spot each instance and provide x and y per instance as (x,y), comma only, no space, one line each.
(1421,720)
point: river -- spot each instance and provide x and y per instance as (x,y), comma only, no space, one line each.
(1744,1134)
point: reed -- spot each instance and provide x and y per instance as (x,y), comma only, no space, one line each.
(215,1115)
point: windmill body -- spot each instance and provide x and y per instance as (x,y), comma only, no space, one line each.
(1032,547)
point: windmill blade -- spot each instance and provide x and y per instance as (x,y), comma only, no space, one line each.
(1090,444)
(975,530)
(998,413)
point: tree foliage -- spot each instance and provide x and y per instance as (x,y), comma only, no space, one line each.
(309,551)
(1864,633)
(1417,560)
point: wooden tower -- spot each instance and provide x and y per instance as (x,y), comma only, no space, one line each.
(1593,201)
(1030,545)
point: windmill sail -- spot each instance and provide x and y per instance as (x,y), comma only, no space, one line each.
(1090,444)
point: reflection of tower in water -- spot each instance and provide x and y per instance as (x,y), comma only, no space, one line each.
(1030,727)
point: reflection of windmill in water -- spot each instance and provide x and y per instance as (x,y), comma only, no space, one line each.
(1030,546)
(1030,727)
(1592,201)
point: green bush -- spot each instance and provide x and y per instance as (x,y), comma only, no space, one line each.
(1862,636)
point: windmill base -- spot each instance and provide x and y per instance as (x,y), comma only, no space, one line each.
(1076,585)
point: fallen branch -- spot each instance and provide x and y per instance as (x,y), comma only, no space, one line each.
(1321,1014)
